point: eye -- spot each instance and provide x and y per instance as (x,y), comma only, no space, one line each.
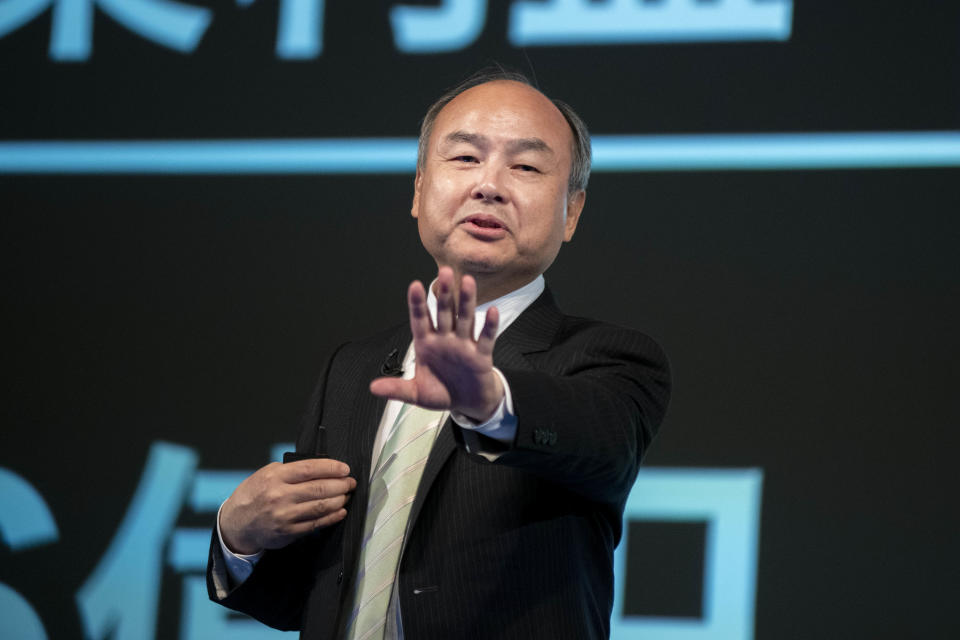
(527,167)
(466,159)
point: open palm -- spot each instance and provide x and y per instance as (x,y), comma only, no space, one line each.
(454,371)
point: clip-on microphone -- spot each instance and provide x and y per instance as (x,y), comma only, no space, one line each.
(392,366)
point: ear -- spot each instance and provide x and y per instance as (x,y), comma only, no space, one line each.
(415,207)
(574,209)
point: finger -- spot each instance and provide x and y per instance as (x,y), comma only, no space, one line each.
(445,300)
(394,389)
(314,509)
(488,336)
(299,529)
(311,469)
(323,489)
(466,307)
(329,519)
(419,315)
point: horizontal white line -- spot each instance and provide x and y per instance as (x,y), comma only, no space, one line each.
(612,153)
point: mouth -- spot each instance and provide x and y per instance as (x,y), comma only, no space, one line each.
(484,222)
(485,227)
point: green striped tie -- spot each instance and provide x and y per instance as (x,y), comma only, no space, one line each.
(392,490)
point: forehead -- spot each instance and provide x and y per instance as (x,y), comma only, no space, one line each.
(502,111)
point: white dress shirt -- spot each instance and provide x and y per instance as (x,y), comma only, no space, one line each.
(502,426)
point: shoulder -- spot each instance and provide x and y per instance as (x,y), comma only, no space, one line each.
(364,358)
(396,336)
(621,359)
(578,333)
(563,343)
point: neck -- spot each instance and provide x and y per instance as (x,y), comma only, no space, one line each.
(489,291)
(488,288)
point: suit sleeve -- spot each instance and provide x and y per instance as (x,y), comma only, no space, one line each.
(587,409)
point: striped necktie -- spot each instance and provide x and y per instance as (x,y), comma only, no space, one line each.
(393,488)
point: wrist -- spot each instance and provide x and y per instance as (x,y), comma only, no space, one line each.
(491,401)
(232,540)
(239,548)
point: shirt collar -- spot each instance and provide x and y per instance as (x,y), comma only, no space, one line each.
(510,305)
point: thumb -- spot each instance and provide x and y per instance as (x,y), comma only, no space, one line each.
(394,389)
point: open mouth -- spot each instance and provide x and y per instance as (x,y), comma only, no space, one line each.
(485,222)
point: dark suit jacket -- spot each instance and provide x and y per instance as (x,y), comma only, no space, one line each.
(518,548)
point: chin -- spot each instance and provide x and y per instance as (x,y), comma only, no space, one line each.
(480,265)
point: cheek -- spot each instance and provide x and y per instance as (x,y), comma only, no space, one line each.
(549,221)
(544,234)
(439,197)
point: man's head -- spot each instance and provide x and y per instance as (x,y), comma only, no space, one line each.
(580,169)
(500,181)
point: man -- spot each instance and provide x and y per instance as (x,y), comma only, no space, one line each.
(515,503)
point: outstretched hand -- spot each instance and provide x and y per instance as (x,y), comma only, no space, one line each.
(453,370)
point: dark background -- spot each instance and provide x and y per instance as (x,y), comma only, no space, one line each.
(810,316)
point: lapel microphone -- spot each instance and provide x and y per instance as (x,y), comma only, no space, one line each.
(392,366)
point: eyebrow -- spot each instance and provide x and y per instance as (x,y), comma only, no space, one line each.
(518,145)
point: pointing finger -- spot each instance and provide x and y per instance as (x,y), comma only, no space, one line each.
(311,469)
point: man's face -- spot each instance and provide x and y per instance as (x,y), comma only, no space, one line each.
(491,197)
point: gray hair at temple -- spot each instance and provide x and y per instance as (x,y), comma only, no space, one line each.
(580,165)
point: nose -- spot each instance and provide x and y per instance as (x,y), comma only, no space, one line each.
(488,189)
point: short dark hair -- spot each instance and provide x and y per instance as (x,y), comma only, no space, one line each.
(580,163)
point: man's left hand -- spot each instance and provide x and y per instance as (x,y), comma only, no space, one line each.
(453,371)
